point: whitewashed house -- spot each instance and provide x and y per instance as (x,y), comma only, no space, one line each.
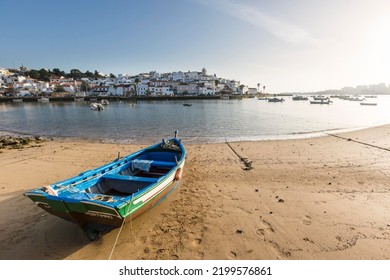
(177,76)
(142,89)
(191,76)
(100,90)
(191,89)
(206,90)
(160,90)
(69,88)
(252,90)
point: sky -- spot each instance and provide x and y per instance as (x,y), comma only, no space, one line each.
(285,45)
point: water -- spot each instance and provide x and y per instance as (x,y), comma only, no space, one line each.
(204,122)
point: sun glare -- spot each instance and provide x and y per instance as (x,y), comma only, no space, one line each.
(376,52)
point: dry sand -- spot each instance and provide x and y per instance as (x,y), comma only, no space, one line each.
(319,198)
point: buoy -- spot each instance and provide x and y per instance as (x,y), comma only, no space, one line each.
(178,174)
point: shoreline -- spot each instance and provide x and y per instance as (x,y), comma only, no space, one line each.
(313,198)
(287,137)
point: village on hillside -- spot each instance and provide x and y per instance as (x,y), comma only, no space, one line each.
(23,82)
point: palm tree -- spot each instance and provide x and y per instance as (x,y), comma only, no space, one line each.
(137,82)
(258,87)
(263,89)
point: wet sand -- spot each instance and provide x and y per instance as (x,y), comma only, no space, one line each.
(319,198)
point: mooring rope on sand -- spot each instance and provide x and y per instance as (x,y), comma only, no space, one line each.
(119,232)
(247,163)
(359,142)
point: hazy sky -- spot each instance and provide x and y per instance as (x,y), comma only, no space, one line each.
(286,45)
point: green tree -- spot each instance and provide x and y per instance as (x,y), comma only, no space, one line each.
(56,72)
(59,88)
(44,75)
(112,76)
(97,75)
(34,74)
(75,74)
(89,74)
(85,86)
(137,82)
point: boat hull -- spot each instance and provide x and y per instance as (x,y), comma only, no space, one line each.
(99,217)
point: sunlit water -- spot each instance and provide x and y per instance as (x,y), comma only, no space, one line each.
(205,121)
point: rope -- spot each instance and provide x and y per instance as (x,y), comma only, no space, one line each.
(119,232)
(116,240)
(359,142)
(247,163)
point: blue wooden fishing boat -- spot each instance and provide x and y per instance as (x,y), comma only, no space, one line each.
(101,199)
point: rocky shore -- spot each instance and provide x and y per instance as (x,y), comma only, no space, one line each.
(18,142)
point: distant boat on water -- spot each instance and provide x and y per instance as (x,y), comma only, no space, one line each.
(43,99)
(322,101)
(104,102)
(320,97)
(187,104)
(275,99)
(368,103)
(300,98)
(356,98)
(97,107)
(17,100)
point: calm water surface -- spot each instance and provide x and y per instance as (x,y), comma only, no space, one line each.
(205,121)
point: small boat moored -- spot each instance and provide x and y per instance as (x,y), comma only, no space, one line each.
(275,99)
(100,200)
(105,102)
(322,101)
(43,99)
(97,107)
(368,103)
(187,104)
(300,98)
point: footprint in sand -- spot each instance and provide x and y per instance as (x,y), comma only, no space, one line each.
(264,229)
(197,241)
(306,220)
(232,255)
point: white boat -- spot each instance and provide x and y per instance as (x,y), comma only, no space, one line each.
(104,102)
(368,103)
(320,97)
(43,99)
(356,98)
(17,100)
(326,102)
(97,107)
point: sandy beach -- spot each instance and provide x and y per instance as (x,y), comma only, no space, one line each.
(319,198)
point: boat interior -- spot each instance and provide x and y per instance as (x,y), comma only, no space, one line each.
(135,174)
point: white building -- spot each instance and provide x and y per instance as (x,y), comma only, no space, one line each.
(100,90)
(252,90)
(69,88)
(191,76)
(142,89)
(177,76)
(161,90)
(206,90)
(187,89)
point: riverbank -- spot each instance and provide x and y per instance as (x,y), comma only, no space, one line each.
(124,98)
(318,198)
